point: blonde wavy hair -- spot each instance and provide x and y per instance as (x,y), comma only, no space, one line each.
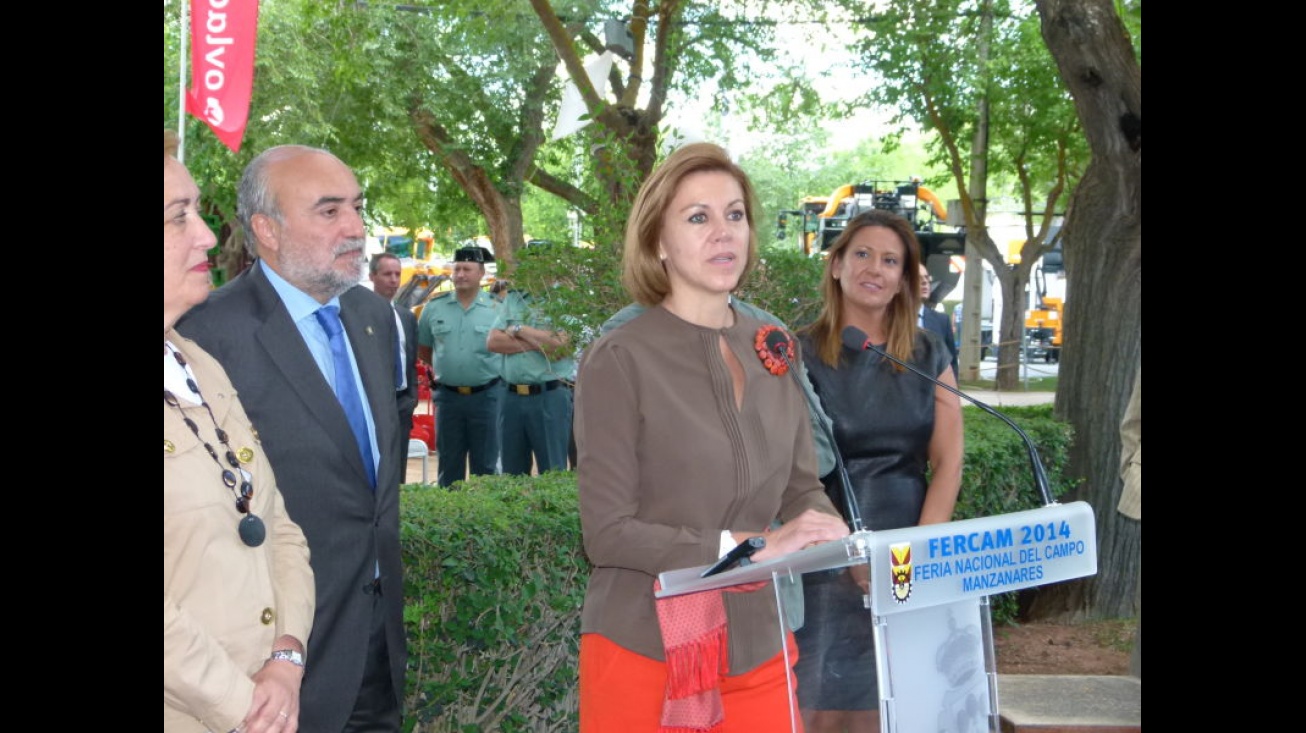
(642,272)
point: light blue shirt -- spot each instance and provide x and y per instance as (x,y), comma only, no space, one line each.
(302,306)
(457,337)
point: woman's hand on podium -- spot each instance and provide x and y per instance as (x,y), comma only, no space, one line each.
(807,529)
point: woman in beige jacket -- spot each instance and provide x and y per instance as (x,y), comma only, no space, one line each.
(237,587)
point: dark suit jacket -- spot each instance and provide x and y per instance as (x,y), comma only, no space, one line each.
(319,471)
(408,400)
(939,323)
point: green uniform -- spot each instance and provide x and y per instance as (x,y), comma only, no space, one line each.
(536,416)
(470,387)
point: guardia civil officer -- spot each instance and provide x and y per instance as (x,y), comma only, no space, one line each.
(451,336)
(537,365)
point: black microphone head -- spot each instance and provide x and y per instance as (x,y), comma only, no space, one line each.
(777,341)
(855,338)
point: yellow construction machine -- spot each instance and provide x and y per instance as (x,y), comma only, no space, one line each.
(822,218)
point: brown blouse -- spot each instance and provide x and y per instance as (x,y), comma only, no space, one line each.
(667,462)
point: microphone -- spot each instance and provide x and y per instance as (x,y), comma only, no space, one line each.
(856,339)
(778,342)
(741,551)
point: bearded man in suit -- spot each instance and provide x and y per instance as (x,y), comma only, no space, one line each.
(337,458)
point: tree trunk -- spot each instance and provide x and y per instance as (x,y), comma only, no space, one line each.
(973,288)
(497,194)
(623,139)
(1009,332)
(971,354)
(1103,259)
(621,168)
(1011,282)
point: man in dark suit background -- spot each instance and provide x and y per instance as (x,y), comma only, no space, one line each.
(300,208)
(939,323)
(385,271)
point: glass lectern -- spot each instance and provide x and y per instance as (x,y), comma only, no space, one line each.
(928,607)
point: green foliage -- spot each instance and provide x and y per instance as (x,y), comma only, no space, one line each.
(978,50)
(1131,13)
(495,577)
(355,77)
(577,287)
(786,283)
(998,477)
(580,288)
(544,216)
(609,162)
(1038,146)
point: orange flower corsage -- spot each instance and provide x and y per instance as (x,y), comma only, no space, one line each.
(769,357)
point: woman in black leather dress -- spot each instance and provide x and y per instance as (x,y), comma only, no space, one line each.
(901,440)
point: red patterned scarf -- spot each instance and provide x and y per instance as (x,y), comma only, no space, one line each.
(694,637)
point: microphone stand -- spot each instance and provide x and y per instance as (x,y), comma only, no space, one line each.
(1036,463)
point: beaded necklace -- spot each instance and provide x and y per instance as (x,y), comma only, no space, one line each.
(251,529)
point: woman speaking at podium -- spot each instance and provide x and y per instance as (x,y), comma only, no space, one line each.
(689,443)
(900,437)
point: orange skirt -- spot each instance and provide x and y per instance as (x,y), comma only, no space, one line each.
(622,692)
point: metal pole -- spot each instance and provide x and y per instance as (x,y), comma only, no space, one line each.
(181,83)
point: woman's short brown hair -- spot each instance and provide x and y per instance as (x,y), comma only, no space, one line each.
(642,271)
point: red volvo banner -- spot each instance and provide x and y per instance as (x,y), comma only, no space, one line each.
(222,34)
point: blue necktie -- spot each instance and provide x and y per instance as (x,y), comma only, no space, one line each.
(346,388)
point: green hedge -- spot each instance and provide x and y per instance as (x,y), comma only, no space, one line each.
(495,576)
(997,477)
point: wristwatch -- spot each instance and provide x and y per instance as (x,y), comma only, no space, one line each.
(289,655)
(516,330)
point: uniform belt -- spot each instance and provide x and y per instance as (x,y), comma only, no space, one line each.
(527,389)
(471,390)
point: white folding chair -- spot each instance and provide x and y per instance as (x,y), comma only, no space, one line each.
(417,448)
